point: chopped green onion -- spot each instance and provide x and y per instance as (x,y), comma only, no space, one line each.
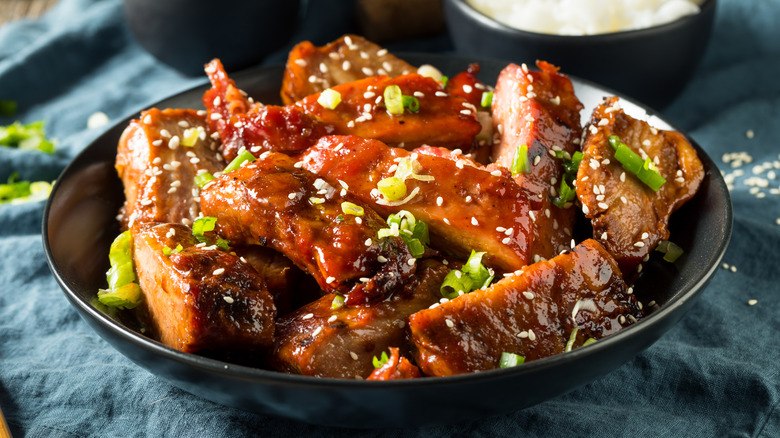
(572,338)
(455,283)
(31,136)
(353,209)
(340,218)
(17,192)
(203,225)
(392,188)
(444,80)
(190,137)
(649,175)
(243,157)
(631,161)
(124,297)
(337,303)
(670,250)
(410,103)
(588,341)
(203,179)
(123,291)
(8,107)
(472,276)
(565,194)
(394,100)
(509,360)
(476,270)
(487,99)
(413,232)
(409,167)
(378,362)
(520,163)
(167,251)
(329,98)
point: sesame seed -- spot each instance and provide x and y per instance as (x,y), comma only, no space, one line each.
(752,302)
(330,280)
(496,172)
(316,331)
(603,205)
(368,242)
(749,133)
(449,323)
(446,221)
(352,354)
(441,94)
(381,259)
(174,142)
(157,142)
(639,244)
(622,319)
(531,335)
(604,235)
(474,221)
(506,240)
(228,299)
(411,261)
(523,334)
(219,271)
(528,295)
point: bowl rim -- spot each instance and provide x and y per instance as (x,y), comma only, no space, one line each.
(492,24)
(272,377)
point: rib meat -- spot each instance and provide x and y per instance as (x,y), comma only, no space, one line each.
(271,202)
(311,69)
(317,340)
(200,299)
(158,172)
(538,109)
(531,314)
(628,217)
(442,120)
(466,206)
(243,123)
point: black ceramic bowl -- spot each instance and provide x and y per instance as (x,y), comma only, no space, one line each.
(79,224)
(186,34)
(652,65)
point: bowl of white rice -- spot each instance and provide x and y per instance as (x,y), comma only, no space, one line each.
(647,49)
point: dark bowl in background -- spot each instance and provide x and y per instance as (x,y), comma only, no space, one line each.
(79,224)
(652,65)
(186,34)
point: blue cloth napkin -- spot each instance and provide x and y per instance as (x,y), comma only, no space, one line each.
(716,373)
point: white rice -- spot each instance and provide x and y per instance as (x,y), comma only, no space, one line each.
(584,17)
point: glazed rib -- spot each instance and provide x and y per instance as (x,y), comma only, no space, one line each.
(466,207)
(200,298)
(158,172)
(318,340)
(311,69)
(270,202)
(531,314)
(628,217)
(538,109)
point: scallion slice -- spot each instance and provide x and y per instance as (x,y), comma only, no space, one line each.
(123,291)
(337,303)
(353,209)
(645,169)
(520,163)
(487,99)
(670,250)
(392,188)
(410,103)
(242,158)
(393,99)
(190,137)
(509,360)
(588,341)
(381,360)
(202,179)
(472,276)
(329,99)
(572,338)
(413,232)
(455,284)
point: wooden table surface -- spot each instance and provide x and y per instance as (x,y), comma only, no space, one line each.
(16,9)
